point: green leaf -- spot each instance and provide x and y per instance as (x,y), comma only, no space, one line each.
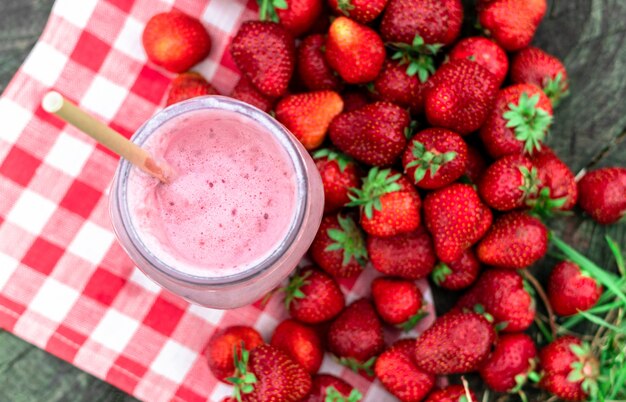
(281,4)
(440,272)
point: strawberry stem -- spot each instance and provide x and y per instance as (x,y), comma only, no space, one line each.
(243,380)
(356,366)
(350,241)
(556,89)
(376,184)
(418,56)
(544,298)
(292,290)
(332,395)
(427,161)
(267,9)
(529,122)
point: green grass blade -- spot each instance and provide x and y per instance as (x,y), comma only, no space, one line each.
(617,253)
(603,323)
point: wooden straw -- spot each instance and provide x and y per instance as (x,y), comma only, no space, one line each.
(54,102)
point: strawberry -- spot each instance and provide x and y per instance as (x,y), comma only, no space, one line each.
(436,21)
(312,296)
(485,52)
(569,368)
(219,350)
(389,204)
(327,387)
(362,11)
(460,96)
(451,393)
(373,134)
(394,85)
(509,183)
(246,92)
(188,85)
(602,194)
(510,364)
(458,274)
(175,41)
(435,157)
(265,53)
(297,16)
(355,51)
(353,100)
(356,336)
(515,240)
(339,173)
(313,69)
(570,290)
(300,342)
(534,66)
(518,122)
(511,23)
(456,218)
(476,164)
(397,371)
(270,375)
(407,255)
(505,296)
(398,302)
(339,247)
(458,342)
(308,115)
(557,186)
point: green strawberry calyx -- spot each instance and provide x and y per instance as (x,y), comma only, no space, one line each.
(418,56)
(544,206)
(556,89)
(413,320)
(427,161)
(267,9)
(440,273)
(356,366)
(332,395)
(522,378)
(243,380)
(586,369)
(342,160)
(529,122)
(345,6)
(530,182)
(376,184)
(293,291)
(348,239)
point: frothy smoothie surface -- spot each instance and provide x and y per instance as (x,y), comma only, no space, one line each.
(231,202)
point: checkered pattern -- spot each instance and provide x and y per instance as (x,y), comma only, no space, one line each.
(65,283)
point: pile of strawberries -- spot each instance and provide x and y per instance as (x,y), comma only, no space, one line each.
(431,151)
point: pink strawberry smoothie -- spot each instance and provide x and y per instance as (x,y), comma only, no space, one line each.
(232,199)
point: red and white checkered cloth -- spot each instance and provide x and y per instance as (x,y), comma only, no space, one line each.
(65,284)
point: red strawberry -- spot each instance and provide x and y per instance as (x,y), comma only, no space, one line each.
(534,66)
(353,100)
(362,11)
(246,92)
(435,157)
(460,96)
(571,290)
(313,296)
(356,336)
(476,164)
(458,342)
(485,52)
(436,21)
(569,369)
(558,190)
(308,115)
(339,174)
(518,122)
(393,84)
(509,365)
(504,295)
(270,375)
(511,23)
(355,51)
(515,240)
(327,387)
(456,218)
(219,350)
(313,68)
(188,85)
(301,343)
(398,302)
(175,41)
(457,274)
(389,204)
(339,247)
(509,183)
(297,16)
(397,371)
(265,53)
(407,255)
(451,393)
(602,194)
(373,134)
